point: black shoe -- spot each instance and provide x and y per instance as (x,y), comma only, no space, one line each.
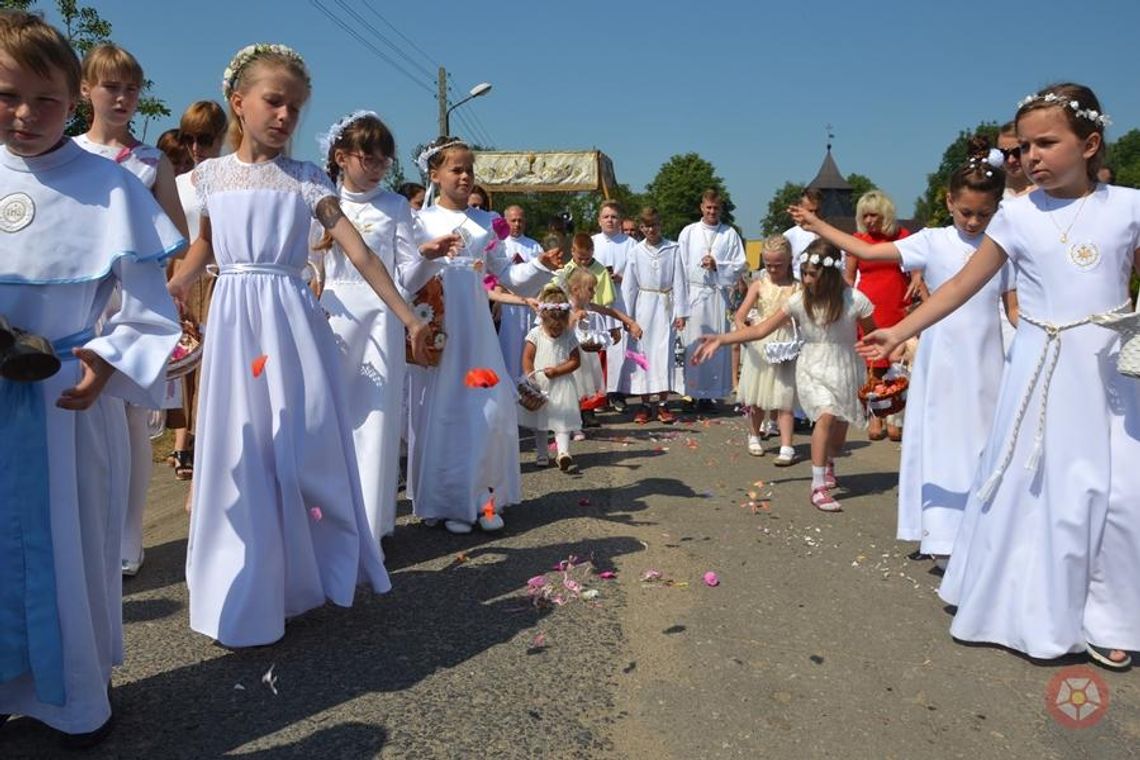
(617,403)
(706,405)
(589,420)
(89,739)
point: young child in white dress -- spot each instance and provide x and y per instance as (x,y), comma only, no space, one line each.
(956,374)
(550,355)
(769,387)
(112,81)
(828,371)
(278,523)
(358,150)
(463,452)
(1048,554)
(63,440)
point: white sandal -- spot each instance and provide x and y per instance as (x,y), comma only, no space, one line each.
(754,446)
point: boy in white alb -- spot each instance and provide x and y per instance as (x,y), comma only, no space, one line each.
(516,321)
(611,249)
(712,255)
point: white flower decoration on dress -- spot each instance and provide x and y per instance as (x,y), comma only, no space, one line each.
(1100,119)
(424,312)
(250,53)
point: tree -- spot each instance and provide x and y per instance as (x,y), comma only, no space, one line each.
(778,218)
(930,208)
(1124,158)
(84,29)
(677,188)
(859,186)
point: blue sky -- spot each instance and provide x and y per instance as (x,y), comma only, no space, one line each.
(748,85)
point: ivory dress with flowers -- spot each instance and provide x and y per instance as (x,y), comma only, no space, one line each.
(1051,561)
(763,384)
(463,442)
(278,523)
(828,371)
(952,395)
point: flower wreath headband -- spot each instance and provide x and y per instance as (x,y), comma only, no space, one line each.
(330,138)
(816,260)
(249,54)
(1100,119)
(994,159)
(554,307)
(423,158)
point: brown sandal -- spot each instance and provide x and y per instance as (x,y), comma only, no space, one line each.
(183,465)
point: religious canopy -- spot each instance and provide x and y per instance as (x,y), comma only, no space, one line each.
(576,171)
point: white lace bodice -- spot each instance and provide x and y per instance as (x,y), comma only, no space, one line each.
(282,174)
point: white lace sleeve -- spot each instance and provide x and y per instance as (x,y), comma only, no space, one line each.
(198,181)
(315,186)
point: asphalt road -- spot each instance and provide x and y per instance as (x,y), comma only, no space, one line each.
(822,638)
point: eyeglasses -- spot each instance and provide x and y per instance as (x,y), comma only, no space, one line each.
(204,140)
(1009,153)
(370,162)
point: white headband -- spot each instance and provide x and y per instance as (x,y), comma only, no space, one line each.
(423,158)
(248,54)
(329,138)
(554,307)
(1101,119)
(815,260)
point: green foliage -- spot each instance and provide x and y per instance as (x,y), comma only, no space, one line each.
(859,186)
(778,219)
(930,208)
(1124,158)
(676,192)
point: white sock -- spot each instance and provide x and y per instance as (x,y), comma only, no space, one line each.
(753,439)
(787,451)
(817,476)
(562,441)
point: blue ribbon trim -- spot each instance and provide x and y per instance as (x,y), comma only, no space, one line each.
(31,639)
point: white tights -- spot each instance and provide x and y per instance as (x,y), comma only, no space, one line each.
(561,441)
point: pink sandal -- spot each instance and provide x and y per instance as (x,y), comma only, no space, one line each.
(829,477)
(822,500)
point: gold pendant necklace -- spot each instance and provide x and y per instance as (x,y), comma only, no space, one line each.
(1064,238)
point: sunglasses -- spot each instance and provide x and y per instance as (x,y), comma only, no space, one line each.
(199,139)
(1009,153)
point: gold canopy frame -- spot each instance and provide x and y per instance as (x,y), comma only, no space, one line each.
(540,171)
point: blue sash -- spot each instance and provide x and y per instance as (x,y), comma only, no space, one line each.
(30,636)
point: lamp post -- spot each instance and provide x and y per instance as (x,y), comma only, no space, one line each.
(444,111)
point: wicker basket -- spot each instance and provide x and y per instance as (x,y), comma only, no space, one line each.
(531,396)
(187,355)
(885,404)
(1128,325)
(779,351)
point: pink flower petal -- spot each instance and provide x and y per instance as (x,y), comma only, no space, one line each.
(711,579)
(572,586)
(583,502)
(651,575)
(501,227)
(537,581)
(608,575)
(316,514)
(490,282)
(638,359)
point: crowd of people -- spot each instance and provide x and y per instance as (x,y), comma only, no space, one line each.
(345,324)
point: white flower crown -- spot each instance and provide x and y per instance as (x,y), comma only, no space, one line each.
(329,138)
(1101,119)
(423,158)
(816,260)
(554,307)
(248,54)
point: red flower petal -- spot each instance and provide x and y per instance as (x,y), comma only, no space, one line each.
(481,377)
(258,365)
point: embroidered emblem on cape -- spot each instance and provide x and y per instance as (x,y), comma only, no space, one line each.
(16,212)
(1085,256)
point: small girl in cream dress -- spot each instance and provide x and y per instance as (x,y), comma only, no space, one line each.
(769,387)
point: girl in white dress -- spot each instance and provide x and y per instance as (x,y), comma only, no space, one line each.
(112,81)
(767,387)
(656,292)
(463,450)
(359,150)
(550,354)
(1048,554)
(278,523)
(957,372)
(63,440)
(828,371)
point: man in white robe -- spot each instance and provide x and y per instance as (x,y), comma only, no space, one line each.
(713,258)
(611,248)
(516,321)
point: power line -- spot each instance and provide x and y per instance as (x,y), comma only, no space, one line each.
(394,47)
(403,36)
(376,51)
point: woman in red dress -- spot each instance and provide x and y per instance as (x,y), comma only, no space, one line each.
(883,282)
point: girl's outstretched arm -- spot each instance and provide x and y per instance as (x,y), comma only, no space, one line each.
(710,343)
(631,326)
(740,318)
(984,264)
(372,269)
(860,249)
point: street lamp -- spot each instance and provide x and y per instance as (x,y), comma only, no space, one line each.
(445,116)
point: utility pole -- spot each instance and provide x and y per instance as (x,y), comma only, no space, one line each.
(442,98)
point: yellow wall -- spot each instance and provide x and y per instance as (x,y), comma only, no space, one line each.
(752,252)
